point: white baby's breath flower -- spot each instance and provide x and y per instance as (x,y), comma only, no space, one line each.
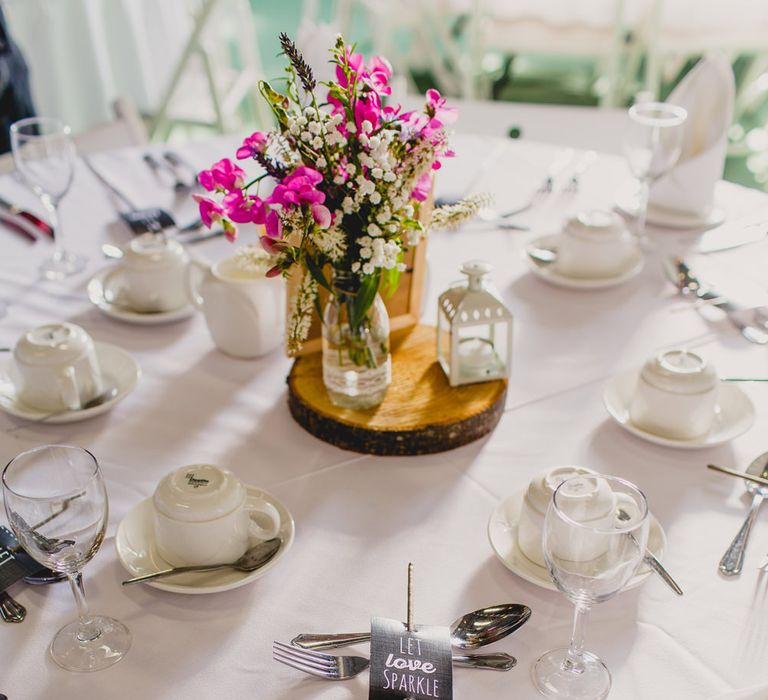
(375,197)
(301,308)
(373,230)
(331,242)
(366,126)
(351,128)
(314,127)
(368,269)
(338,180)
(321,162)
(355,266)
(306,136)
(377,173)
(389,176)
(254,259)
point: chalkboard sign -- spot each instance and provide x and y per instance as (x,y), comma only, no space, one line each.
(409,664)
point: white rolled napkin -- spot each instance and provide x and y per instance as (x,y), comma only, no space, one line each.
(707,93)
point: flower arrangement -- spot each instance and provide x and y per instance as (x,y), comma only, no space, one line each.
(350,174)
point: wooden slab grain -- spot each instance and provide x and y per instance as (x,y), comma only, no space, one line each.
(421,413)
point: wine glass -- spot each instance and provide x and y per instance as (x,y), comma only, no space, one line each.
(56,503)
(595,534)
(44,154)
(652,145)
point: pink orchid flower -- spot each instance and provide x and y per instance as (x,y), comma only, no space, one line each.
(356,65)
(244,209)
(210,211)
(223,176)
(423,188)
(274,228)
(436,108)
(253,144)
(368,109)
(298,188)
(378,75)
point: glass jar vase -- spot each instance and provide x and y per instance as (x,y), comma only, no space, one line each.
(357,367)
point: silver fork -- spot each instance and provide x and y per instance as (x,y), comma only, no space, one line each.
(316,663)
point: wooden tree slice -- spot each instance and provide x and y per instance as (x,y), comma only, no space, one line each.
(420,414)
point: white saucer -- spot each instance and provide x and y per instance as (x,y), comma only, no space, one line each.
(549,272)
(137,553)
(502,534)
(668,218)
(106,292)
(734,415)
(117,366)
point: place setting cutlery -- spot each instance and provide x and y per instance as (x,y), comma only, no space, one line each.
(141,220)
(746,319)
(756,478)
(470,631)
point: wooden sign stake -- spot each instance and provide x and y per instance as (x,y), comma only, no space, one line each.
(409,618)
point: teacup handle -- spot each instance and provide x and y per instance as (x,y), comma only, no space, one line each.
(194,274)
(70,392)
(270,511)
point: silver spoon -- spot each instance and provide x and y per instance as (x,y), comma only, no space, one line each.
(108,393)
(253,559)
(650,559)
(470,631)
(543,256)
(733,559)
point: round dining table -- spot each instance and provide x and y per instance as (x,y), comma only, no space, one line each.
(360,519)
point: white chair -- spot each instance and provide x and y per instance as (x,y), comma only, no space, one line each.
(211,93)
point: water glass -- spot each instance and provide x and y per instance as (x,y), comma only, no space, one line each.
(44,154)
(595,535)
(56,503)
(652,145)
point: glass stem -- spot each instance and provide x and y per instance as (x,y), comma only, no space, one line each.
(55,221)
(89,629)
(574,661)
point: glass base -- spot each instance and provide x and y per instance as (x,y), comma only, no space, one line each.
(359,402)
(591,682)
(111,645)
(63,264)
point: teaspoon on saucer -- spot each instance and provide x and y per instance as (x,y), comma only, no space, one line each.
(253,559)
(102,398)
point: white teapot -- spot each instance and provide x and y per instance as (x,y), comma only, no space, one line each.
(244,309)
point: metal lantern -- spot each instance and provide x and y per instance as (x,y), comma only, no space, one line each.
(474,329)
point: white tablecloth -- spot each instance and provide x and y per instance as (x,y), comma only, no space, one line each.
(360,519)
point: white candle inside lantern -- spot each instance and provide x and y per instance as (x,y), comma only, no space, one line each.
(476,354)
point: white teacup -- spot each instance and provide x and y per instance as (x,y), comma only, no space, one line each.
(55,368)
(203,515)
(535,503)
(589,511)
(594,244)
(676,395)
(244,310)
(154,273)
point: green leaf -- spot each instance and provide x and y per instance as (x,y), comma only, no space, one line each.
(390,280)
(317,273)
(364,299)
